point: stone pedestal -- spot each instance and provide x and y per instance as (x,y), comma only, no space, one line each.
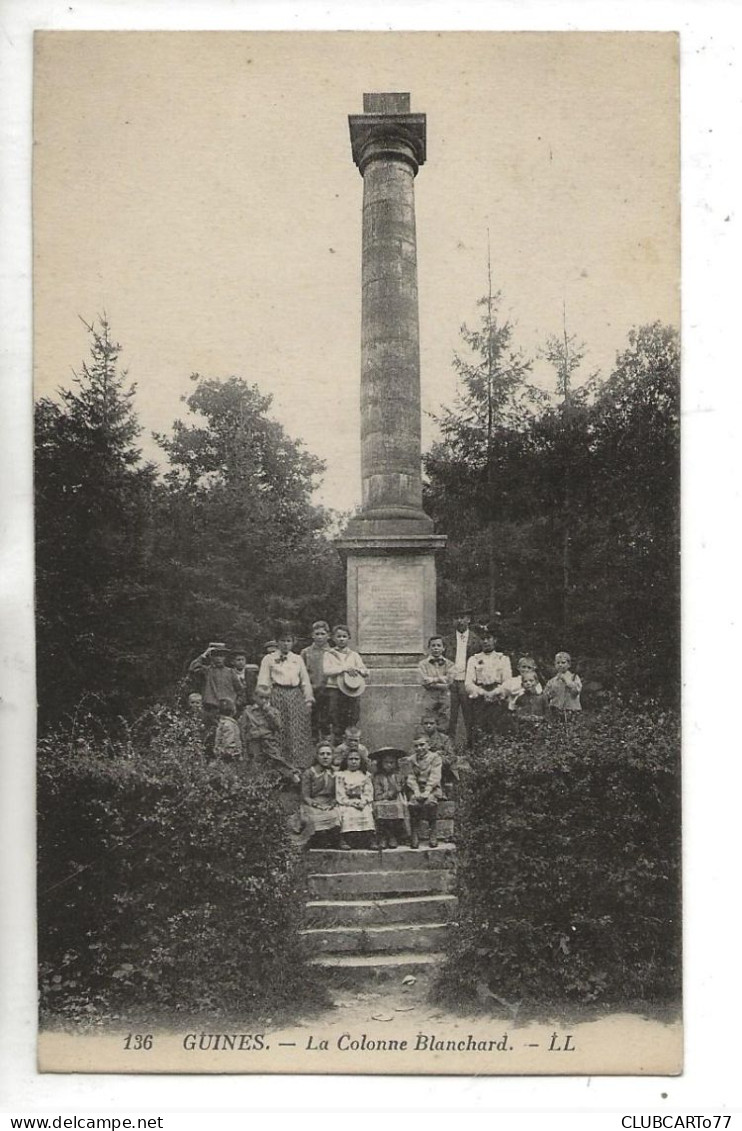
(391,615)
(390,546)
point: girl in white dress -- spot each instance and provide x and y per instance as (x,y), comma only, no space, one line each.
(355,797)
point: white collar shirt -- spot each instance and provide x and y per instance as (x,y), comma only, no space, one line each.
(459,663)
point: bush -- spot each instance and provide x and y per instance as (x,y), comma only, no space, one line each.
(164,881)
(569,865)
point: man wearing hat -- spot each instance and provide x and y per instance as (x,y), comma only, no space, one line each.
(218,683)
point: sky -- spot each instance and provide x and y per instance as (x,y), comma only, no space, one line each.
(199,188)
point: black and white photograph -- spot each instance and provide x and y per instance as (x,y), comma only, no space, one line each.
(357,552)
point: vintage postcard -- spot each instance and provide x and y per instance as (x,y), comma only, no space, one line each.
(356,376)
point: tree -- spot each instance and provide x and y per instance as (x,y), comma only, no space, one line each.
(566,355)
(244,543)
(482,431)
(579,516)
(92,495)
(636,487)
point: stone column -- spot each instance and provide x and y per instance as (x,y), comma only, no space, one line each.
(388,145)
(389,545)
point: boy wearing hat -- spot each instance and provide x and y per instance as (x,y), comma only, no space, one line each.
(218,682)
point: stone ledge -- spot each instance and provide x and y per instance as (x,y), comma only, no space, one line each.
(381,912)
(350,885)
(332,861)
(379,965)
(372,940)
(389,543)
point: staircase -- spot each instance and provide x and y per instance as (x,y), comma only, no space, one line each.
(381,912)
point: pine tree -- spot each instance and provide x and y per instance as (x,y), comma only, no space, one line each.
(93,496)
(480,435)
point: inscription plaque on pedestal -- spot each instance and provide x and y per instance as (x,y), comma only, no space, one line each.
(390,606)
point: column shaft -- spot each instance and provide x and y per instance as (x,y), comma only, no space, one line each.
(390,350)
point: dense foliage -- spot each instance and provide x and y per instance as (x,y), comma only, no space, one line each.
(165,882)
(569,859)
(562,514)
(243,542)
(92,497)
(136,574)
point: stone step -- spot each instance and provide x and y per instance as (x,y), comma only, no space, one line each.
(378,912)
(351,885)
(372,860)
(355,968)
(373,940)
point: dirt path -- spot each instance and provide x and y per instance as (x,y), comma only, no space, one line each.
(387,1027)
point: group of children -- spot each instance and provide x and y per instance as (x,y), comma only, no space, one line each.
(297,713)
(364,803)
(315,694)
(490,697)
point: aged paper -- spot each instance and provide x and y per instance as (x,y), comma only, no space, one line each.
(199,188)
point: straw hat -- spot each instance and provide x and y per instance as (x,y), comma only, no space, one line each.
(351,685)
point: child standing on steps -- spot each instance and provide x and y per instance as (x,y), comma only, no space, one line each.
(355,797)
(314,661)
(436,673)
(343,710)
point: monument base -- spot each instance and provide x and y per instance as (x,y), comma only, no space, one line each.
(391,586)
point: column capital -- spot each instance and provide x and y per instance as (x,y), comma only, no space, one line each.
(379,136)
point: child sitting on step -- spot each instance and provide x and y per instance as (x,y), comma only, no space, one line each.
(440,743)
(424,790)
(390,804)
(319,814)
(355,797)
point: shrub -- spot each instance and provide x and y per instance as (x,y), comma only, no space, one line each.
(569,865)
(164,880)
